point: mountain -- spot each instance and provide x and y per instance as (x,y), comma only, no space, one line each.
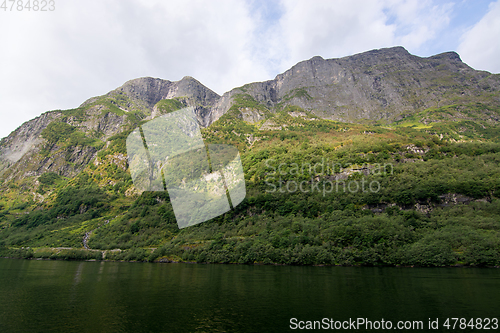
(387,84)
(432,123)
(35,147)
(380,84)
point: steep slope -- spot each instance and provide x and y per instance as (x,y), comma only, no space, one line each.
(386,84)
(65,141)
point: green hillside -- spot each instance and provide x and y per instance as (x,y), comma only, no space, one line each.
(422,191)
(379,158)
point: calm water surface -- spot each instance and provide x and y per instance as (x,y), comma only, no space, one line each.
(64,296)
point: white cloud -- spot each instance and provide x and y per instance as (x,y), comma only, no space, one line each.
(418,21)
(480,46)
(344,27)
(85,48)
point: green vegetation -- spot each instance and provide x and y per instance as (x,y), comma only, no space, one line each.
(457,122)
(169,105)
(57,131)
(78,114)
(344,237)
(49,178)
(246,101)
(53,253)
(436,203)
(67,136)
(297,93)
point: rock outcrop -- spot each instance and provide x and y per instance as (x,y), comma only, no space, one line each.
(380,84)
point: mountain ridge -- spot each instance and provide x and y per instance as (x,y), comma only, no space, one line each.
(386,85)
(368,92)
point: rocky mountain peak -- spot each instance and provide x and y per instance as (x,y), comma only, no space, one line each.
(373,85)
(447,56)
(147,89)
(193,89)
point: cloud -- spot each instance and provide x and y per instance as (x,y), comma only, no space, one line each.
(56,60)
(480,46)
(418,21)
(340,28)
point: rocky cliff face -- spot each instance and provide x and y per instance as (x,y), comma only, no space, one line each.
(148,91)
(386,84)
(145,93)
(380,84)
(24,138)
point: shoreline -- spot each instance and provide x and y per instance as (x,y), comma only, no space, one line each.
(167,261)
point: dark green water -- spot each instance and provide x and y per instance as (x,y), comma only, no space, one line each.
(63,296)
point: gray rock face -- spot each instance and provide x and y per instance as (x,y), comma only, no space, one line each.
(221,106)
(148,91)
(151,91)
(197,96)
(379,84)
(24,138)
(22,143)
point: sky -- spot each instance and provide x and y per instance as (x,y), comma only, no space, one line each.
(83,48)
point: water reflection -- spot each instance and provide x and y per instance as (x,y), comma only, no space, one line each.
(140,297)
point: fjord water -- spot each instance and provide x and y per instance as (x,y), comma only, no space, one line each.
(71,296)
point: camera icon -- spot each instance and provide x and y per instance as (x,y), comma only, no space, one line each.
(168,154)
